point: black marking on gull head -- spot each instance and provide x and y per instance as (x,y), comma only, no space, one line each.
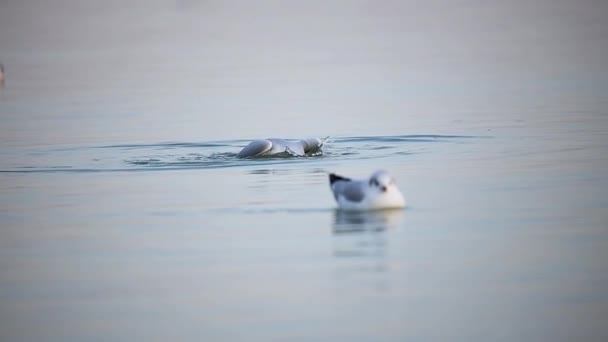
(334,178)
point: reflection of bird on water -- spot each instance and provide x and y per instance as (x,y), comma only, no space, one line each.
(278,147)
(378,192)
(365,221)
(360,243)
(1,73)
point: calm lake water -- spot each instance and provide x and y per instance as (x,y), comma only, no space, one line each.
(125,215)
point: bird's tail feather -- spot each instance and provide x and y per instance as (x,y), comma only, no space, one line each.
(334,178)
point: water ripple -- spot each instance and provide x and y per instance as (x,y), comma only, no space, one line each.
(219,154)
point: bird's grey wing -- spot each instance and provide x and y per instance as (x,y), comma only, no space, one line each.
(295,147)
(351,190)
(255,148)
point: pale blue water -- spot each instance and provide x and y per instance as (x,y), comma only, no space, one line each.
(125,214)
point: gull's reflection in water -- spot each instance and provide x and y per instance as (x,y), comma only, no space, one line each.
(365,221)
(360,245)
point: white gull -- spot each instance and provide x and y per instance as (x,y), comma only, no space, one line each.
(378,192)
(275,146)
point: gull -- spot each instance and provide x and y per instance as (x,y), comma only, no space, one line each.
(378,192)
(277,147)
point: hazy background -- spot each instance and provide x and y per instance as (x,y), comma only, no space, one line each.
(264,61)
(124,214)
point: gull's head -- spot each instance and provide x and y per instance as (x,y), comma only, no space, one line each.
(382,181)
(312,144)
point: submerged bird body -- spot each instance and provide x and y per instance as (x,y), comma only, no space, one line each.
(274,146)
(377,192)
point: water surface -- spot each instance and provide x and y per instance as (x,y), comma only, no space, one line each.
(125,214)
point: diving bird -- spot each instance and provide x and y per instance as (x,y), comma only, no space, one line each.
(378,192)
(274,147)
